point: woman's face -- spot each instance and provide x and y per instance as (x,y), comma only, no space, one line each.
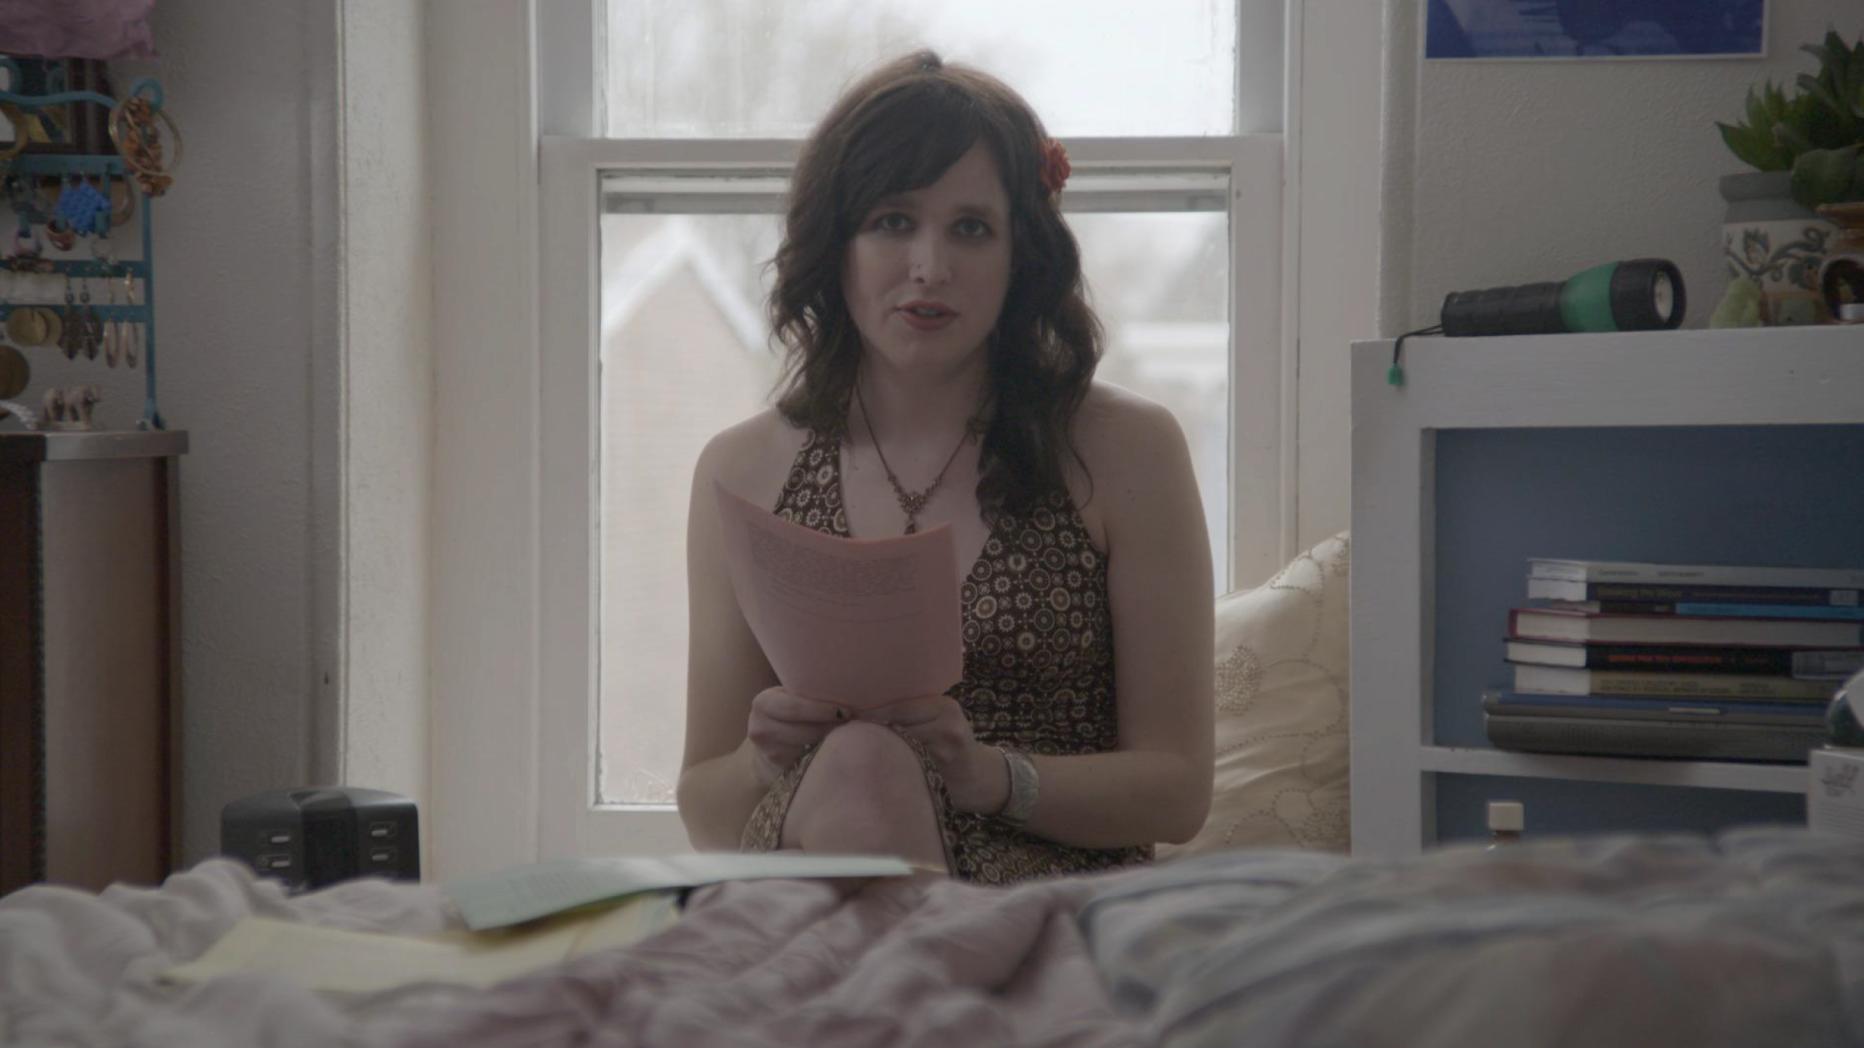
(926,270)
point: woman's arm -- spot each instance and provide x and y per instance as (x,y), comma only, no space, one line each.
(1156,786)
(725,669)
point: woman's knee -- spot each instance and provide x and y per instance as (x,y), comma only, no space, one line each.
(866,753)
(865,790)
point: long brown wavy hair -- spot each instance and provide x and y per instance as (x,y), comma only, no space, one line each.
(898,130)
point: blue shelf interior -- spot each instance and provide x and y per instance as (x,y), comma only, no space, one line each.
(1557,807)
(1782,495)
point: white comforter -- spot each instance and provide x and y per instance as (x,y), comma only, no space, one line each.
(1752,938)
(900,963)
(1755,938)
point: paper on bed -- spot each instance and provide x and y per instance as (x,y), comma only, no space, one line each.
(527,892)
(340,961)
(860,622)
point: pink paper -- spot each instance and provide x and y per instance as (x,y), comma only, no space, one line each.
(859,622)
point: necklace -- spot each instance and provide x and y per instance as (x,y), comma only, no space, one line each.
(911,502)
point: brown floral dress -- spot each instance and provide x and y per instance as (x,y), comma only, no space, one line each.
(1038,669)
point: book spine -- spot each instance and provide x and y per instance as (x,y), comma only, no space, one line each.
(1827,665)
(1663,658)
(1819,612)
(1696,574)
(1770,611)
(1651,739)
(1655,593)
(1708,685)
(1652,708)
(1566,627)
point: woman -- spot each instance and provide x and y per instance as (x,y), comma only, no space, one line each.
(941,359)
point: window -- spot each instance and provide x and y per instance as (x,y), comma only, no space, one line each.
(654,244)
(769,69)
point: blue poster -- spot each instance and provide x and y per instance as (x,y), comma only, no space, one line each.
(1594,28)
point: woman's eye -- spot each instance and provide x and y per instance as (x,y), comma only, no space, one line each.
(892,222)
(972,227)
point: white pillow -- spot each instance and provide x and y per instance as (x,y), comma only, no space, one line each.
(1281,779)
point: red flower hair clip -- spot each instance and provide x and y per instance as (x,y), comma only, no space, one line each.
(1055,166)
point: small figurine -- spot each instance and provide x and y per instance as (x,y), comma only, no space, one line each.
(71,408)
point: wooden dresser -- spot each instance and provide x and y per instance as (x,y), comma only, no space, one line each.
(90,702)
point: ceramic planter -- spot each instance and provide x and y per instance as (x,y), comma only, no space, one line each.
(1841,280)
(1771,240)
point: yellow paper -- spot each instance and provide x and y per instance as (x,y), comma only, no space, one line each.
(525,893)
(339,961)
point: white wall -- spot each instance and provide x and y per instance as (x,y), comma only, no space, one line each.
(1512,172)
(485,549)
(1416,179)
(1333,239)
(296,237)
(387,406)
(245,264)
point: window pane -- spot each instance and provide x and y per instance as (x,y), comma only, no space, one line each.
(683,354)
(1161,284)
(770,68)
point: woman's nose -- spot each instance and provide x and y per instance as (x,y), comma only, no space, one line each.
(930,263)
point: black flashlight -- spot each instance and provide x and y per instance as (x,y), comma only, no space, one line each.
(1641,294)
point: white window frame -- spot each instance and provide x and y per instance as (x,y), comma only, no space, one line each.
(571,170)
(512,693)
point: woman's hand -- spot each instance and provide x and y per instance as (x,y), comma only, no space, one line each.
(975,776)
(782,725)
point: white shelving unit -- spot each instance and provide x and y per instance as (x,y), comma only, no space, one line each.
(1471,760)
(1755,378)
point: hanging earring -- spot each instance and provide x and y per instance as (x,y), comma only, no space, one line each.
(131,335)
(92,328)
(69,325)
(112,340)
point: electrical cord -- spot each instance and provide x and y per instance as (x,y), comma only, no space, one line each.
(1395,374)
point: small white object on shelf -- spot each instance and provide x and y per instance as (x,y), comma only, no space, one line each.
(1506,820)
(1835,792)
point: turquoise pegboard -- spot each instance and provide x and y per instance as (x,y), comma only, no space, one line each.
(35,167)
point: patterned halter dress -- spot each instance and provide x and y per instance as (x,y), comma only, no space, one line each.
(1038,669)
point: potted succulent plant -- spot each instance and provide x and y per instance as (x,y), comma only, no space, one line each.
(1807,151)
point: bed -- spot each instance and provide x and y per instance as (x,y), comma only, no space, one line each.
(1258,932)
(1754,937)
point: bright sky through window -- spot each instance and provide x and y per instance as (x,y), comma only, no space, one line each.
(766,68)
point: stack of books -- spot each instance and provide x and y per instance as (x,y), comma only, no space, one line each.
(1708,662)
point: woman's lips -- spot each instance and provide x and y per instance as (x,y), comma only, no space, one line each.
(926,316)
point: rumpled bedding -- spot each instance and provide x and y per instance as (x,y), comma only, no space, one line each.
(898,963)
(1753,937)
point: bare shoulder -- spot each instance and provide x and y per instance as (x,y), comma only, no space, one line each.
(1135,454)
(751,457)
(1118,431)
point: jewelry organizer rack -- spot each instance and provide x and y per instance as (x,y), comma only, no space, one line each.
(102,302)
